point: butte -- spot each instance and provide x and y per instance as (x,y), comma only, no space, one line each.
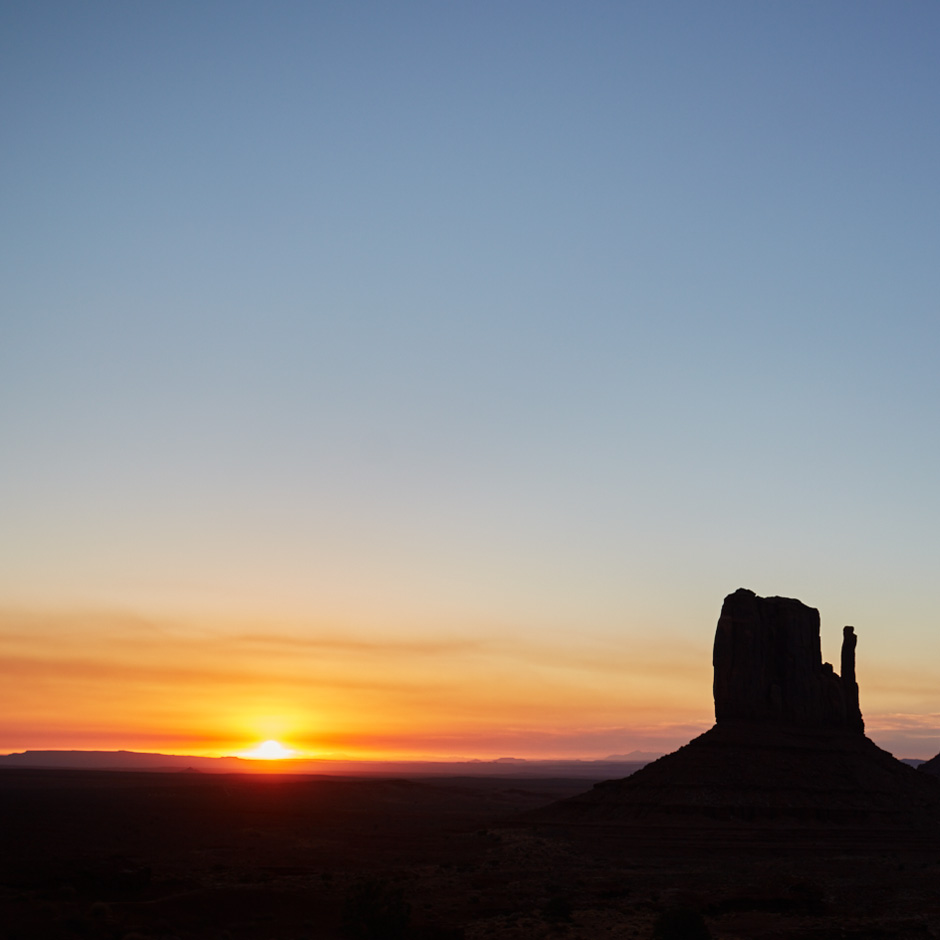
(787,756)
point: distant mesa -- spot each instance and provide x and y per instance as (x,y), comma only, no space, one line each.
(788,747)
(634,756)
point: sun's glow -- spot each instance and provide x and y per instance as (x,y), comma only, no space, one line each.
(269,750)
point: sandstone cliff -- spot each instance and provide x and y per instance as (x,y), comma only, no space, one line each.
(768,666)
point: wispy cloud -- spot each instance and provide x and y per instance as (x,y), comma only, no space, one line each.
(355,645)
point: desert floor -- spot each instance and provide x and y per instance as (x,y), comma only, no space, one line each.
(127,856)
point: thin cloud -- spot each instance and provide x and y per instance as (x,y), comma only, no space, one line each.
(357,645)
(98,670)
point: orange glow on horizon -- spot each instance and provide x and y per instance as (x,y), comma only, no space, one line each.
(100,681)
(269,750)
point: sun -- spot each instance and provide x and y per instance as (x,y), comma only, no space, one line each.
(269,750)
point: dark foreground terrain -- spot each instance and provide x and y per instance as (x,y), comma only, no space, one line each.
(128,856)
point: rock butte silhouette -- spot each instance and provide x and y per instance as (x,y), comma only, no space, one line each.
(787,751)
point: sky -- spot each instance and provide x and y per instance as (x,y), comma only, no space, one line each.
(415,379)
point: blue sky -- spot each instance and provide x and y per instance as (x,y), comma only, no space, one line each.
(543,320)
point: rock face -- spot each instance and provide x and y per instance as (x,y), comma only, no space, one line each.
(768,666)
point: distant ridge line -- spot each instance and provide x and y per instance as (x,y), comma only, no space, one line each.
(123,760)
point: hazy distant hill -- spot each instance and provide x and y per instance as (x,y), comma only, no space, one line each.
(642,756)
(505,767)
(123,760)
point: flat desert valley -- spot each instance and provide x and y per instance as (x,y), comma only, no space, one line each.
(134,855)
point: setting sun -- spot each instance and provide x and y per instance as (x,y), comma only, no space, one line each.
(269,750)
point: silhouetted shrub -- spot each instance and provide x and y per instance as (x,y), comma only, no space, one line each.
(375,910)
(680,923)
